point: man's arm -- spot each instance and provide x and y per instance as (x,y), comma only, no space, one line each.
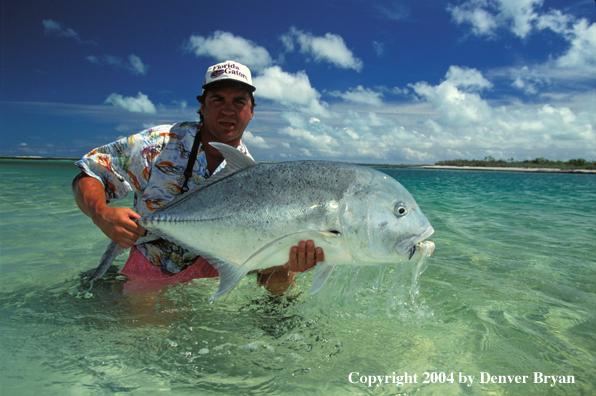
(116,223)
(302,258)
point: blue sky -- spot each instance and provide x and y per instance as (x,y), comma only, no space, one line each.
(403,81)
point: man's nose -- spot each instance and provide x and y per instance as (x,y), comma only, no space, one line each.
(228,108)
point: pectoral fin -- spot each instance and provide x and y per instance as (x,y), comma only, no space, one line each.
(306,234)
(322,273)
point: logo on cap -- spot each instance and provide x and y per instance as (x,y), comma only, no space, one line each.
(217,73)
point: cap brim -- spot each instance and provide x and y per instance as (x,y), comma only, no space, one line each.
(249,87)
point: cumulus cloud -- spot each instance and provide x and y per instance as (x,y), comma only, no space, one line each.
(360,95)
(582,51)
(140,104)
(452,119)
(255,141)
(329,48)
(467,78)
(483,22)
(224,45)
(456,98)
(133,64)
(368,137)
(309,140)
(293,90)
(467,125)
(486,16)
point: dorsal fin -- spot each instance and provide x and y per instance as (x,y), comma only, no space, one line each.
(236,161)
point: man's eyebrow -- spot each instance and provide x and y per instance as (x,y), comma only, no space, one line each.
(239,96)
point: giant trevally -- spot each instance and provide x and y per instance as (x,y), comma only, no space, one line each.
(247,216)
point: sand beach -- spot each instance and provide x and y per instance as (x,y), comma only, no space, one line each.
(509,169)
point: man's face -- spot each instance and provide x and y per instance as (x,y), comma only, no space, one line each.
(226,113)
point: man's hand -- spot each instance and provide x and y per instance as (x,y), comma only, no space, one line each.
(116,223)
(302,258)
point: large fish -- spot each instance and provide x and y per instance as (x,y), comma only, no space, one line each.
(247,216)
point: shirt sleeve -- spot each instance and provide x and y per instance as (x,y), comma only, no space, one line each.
(125,165)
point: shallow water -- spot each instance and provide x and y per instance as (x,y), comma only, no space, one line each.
(509,291)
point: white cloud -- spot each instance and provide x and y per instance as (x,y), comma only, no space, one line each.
(395,11)
(308,140)
(483,23)
(555,20)
(379,48)
(572,69)
(140,104)
(466,78)
(360,95)
(52,27)
(455,99)
(329,48)
(486,16)
(293,90)
(582,52)
(520,14)
(451,119)
(524,17)
(255,141)
(223,46)
(134,64)
(468,126)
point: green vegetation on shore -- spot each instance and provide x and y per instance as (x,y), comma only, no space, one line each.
(491,162)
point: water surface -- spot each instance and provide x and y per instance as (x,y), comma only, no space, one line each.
(509,291)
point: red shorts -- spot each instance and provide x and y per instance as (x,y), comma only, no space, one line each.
(142,275)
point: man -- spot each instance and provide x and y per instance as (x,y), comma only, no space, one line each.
(161,163)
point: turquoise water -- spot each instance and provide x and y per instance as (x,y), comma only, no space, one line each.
(509,291)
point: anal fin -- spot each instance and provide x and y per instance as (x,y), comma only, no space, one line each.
(230,275)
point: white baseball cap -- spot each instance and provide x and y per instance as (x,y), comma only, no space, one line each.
(229,71)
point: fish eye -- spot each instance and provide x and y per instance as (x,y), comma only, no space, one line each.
(400,210)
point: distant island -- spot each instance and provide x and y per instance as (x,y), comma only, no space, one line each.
(35,157)
(536,165)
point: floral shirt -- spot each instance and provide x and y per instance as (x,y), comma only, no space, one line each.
(151,163)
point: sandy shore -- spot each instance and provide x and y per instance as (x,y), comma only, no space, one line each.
(510,169)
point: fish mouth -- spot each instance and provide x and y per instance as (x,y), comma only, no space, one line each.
(425,247)
(408,247)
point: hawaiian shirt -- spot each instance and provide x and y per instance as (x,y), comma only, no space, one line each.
(151,163)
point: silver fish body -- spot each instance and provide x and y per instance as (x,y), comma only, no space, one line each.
(247,217)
